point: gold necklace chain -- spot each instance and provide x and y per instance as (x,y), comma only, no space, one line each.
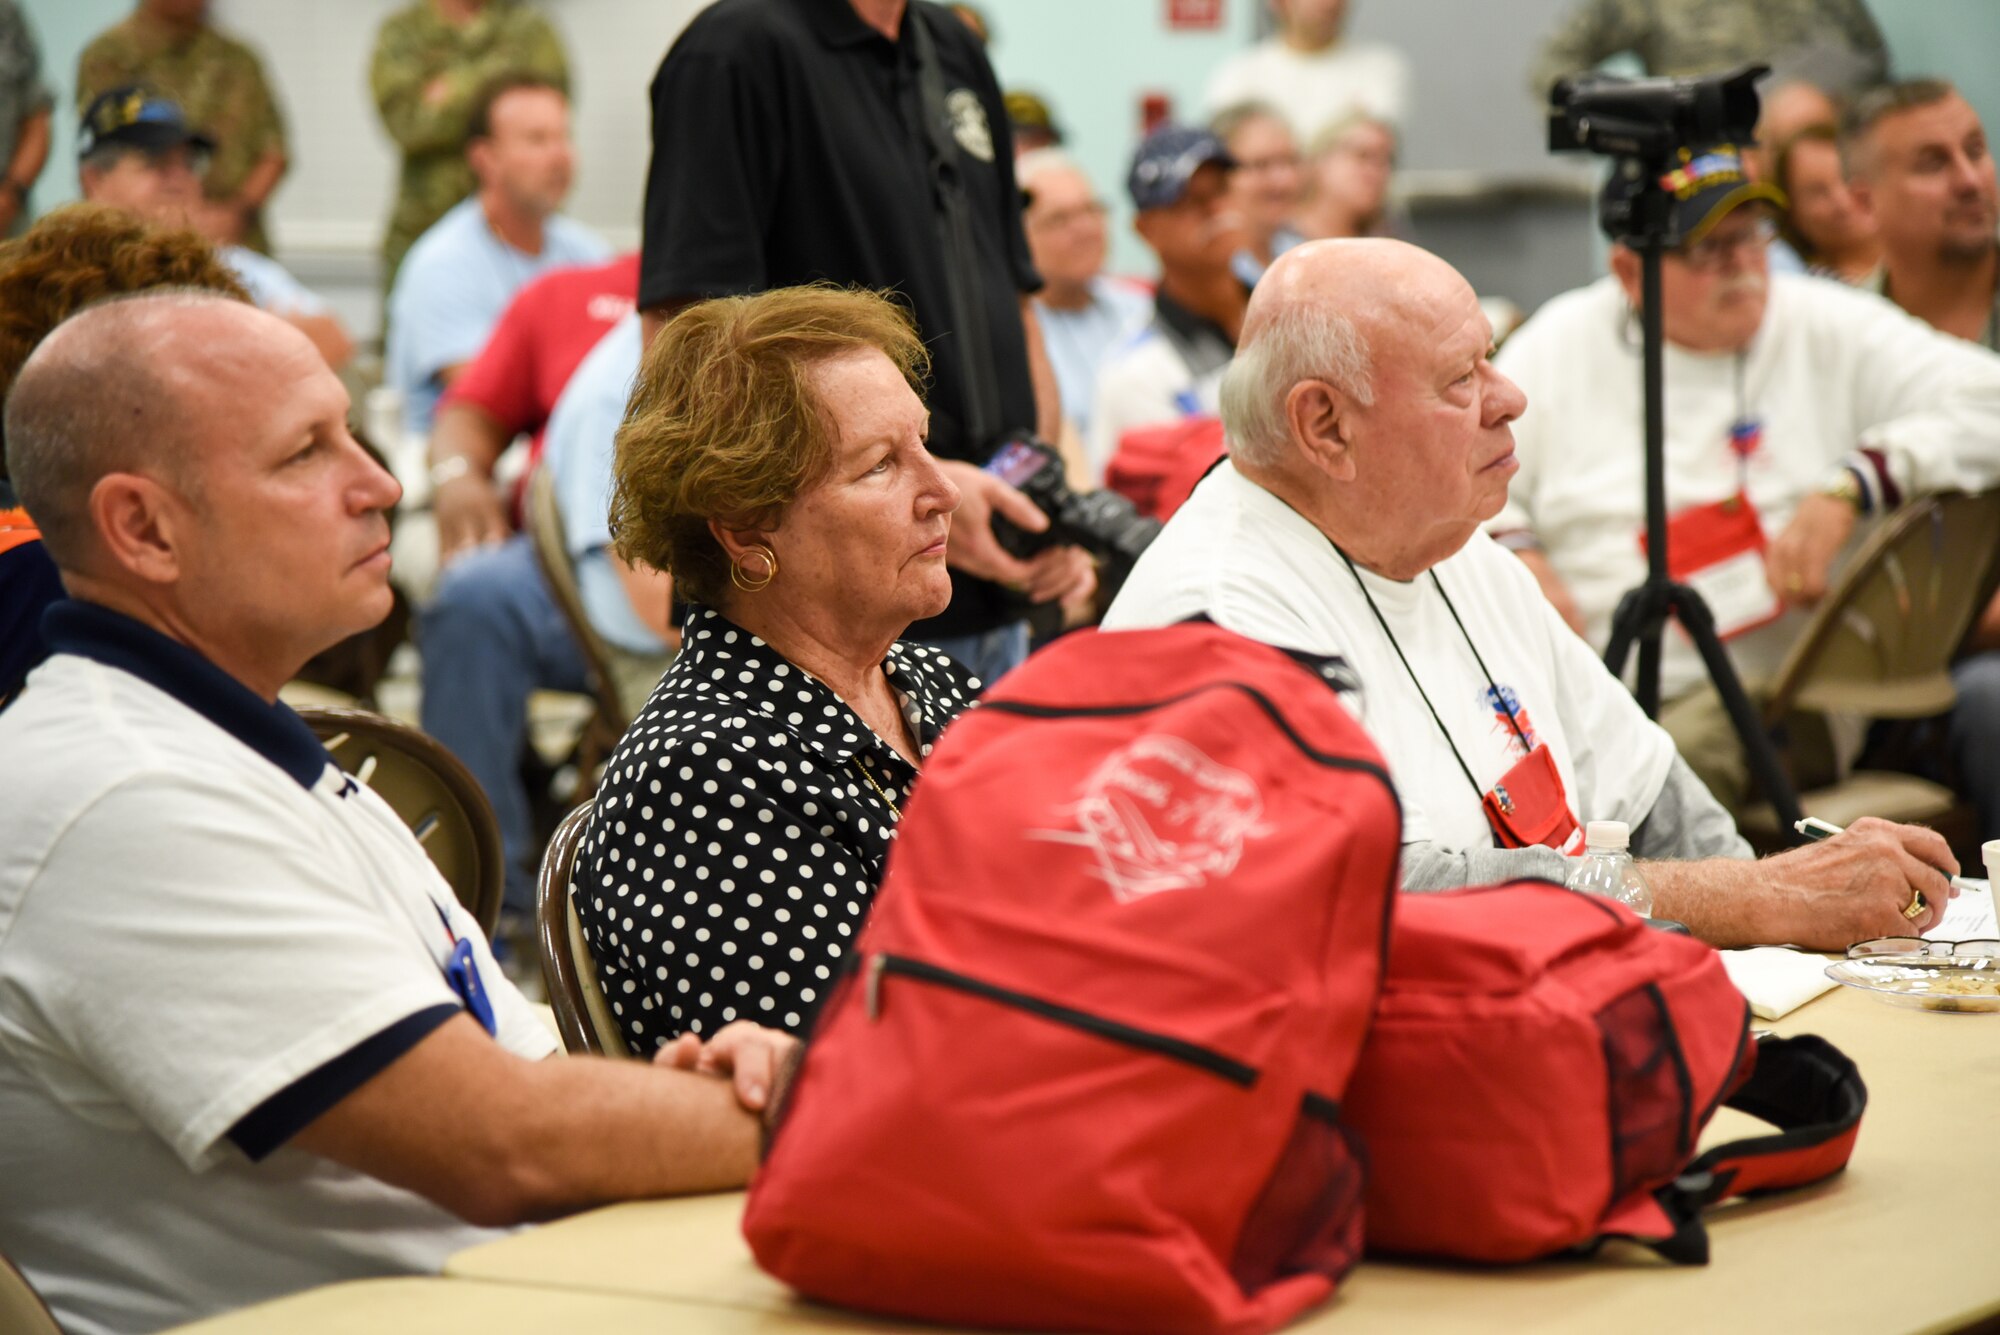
(893,808)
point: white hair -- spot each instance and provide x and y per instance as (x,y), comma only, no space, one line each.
(1038,160)
(1301,341)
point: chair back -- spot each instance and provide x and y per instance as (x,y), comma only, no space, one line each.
(432,791)
(22,1311)
(545,529)
(583,1017)
(1882,641)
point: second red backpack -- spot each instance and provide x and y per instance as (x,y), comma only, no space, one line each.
(1086,1075)
(1541,1067)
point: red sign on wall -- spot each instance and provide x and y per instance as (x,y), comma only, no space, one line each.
(1194,13)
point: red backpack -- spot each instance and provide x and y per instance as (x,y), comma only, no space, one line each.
(1085,1074)
(1540,1067)
(1155,467)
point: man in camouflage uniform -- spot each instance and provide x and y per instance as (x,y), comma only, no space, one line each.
(24,122)
(432,59)
(169,47)
(1836,40)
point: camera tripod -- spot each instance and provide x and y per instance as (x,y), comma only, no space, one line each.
(1642,612)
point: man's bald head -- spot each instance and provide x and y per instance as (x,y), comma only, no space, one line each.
(1319,313)
(107,392)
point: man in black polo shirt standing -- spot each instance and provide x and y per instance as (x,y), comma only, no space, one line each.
(789,146)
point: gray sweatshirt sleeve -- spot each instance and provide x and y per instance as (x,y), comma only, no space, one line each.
(1685,822)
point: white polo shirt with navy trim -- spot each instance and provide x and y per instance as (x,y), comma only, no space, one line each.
(209,936)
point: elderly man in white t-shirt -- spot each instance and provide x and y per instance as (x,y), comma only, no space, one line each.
(248,1041)
(1370,438)
(1794,407)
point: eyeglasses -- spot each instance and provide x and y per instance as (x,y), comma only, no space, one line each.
(1275,162)
(1094,211)
(1922,948)
(1707,253)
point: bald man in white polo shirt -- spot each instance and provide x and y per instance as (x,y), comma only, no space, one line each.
(248,1041)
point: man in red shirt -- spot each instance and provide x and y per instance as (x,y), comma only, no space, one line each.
(510,389)
(492,634)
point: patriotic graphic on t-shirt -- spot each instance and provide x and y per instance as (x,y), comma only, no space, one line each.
(1505,703)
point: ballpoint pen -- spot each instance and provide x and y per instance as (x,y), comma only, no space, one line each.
(1812,827)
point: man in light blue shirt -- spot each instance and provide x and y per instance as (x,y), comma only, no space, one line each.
(494,635)
(460,275)
(1083,314)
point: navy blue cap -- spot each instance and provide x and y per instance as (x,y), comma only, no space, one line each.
(1706,181)
(1167,160)
(142,119)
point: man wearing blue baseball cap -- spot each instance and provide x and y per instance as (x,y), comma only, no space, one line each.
(137,152)
(1171,368)
(1795,408)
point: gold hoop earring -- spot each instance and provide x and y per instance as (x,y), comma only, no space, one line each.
(744,582)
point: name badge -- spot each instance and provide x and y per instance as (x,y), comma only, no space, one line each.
(1718,550)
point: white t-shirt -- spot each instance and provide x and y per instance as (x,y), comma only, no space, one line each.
(451,290)
(270,284)
(194,921)
(1318,88)
(1157,376)
(1256,566)
(1831,370)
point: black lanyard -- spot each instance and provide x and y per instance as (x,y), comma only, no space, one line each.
(1499,701)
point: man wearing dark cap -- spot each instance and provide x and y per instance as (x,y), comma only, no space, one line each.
(1170,369)
(1795,408)
(137,152)
(791,145)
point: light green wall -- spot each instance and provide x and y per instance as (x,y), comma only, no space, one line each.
(64,28)
(1093,60)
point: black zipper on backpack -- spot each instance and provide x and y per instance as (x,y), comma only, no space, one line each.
(1164,1045)
(1029,710)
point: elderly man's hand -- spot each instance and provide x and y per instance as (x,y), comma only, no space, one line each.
(1856,885)
(750,1054)
(468,513)
(1800,557)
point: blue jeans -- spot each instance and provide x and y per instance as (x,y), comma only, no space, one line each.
(988,655)
(491,637)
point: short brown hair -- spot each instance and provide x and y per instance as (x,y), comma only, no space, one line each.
(1875,105)
(82,254)
(479,124)
(724,423)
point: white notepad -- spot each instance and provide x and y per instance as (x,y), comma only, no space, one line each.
(1970,916)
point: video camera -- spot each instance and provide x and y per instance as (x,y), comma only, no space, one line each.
(1643,122)
(1103,523)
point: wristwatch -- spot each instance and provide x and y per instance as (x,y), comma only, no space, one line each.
(1844,486)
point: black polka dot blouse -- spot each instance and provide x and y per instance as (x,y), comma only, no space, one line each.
(741,830)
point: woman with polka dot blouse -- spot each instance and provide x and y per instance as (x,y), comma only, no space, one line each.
(772,460)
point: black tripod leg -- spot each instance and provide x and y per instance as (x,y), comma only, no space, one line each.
(1762,756)
(1641,615)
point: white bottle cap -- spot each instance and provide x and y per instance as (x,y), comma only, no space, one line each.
(1607,834)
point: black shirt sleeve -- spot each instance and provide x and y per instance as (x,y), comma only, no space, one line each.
(712,185)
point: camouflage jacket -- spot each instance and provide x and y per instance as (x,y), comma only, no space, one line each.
(1685,37)
(426,75)
(219,83)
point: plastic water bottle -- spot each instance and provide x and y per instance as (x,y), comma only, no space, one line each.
(1607,869)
